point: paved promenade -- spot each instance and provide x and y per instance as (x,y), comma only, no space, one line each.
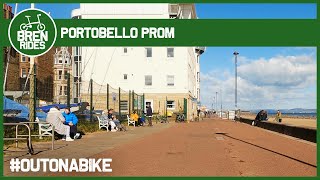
(213,147)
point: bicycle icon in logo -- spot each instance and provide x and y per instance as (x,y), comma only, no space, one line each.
(40,26)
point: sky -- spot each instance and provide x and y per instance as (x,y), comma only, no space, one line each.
(268,77)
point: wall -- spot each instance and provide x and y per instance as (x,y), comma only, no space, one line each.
(298,132)
(98,64)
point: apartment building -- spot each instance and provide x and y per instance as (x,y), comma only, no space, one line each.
(62,67)
(16,71)
(168,76)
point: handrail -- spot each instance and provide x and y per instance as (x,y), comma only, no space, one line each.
(29,144)
(52,134)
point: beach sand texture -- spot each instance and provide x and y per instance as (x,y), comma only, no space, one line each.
(310,122)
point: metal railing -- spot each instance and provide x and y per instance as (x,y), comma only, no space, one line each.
(28,137)
(40,135)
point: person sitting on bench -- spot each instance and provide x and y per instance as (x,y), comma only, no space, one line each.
(135,117)
(72,121)
(114,120)
(55,117)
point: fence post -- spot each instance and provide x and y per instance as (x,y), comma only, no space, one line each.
(68,89)
(107,96)
(185,108)
(91,99)
(166,108)
(133,100)
(33,96)
(129,101)
(119,104)
(142,104)
(138,102)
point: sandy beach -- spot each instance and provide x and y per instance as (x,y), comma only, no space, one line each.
(310,122)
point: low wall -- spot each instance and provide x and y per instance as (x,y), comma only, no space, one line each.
(304,133)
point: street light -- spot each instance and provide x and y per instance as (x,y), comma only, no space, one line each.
(235,81)
(216,102)
(236,77)
(221,102)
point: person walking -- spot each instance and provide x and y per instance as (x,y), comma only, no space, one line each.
(149,114)
(278,117)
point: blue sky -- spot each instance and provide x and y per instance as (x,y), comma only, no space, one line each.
(269,77)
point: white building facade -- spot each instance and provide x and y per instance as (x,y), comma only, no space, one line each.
(161,73)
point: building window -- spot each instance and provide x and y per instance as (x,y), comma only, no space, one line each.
(23,58)
(198,76)
(148,52)
(24,73)
(125,76)
(170,80)
(59,74)
(125,50)
(65,75)
(170,52)
(148,80)
(59,60)
(60,90)
(171,105)
(65,90)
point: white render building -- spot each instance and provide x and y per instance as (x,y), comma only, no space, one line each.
(161,73)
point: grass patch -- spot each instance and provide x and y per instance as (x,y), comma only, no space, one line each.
(85,126)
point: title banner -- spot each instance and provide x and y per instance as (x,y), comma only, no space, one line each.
(156,32)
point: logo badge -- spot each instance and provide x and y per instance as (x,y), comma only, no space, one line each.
(32,32)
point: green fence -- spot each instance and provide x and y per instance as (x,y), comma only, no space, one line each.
(104,97)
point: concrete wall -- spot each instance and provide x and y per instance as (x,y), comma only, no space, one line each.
(298,132)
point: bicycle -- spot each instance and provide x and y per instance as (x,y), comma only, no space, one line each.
(180,117)
(161,119)
(40,26)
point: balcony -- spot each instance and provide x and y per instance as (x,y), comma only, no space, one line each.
(200,50)
(174,11)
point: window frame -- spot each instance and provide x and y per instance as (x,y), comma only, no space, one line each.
(168,82)
(169,53)
(145,80)
(173,104)
(146,52)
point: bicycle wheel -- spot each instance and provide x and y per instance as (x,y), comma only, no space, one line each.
(23,27)
(41,27)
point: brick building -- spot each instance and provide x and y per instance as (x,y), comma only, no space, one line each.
(19,67)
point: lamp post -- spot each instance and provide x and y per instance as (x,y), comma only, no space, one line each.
(221,102)
(235,81)
(236,77)
(216,101)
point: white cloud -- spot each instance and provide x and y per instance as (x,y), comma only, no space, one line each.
(278,82)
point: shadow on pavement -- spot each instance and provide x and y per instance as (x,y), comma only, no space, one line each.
(292,158)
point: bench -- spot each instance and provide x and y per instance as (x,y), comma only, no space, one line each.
(130,121)
(103,123)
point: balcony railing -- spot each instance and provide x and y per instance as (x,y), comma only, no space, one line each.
(174,10)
